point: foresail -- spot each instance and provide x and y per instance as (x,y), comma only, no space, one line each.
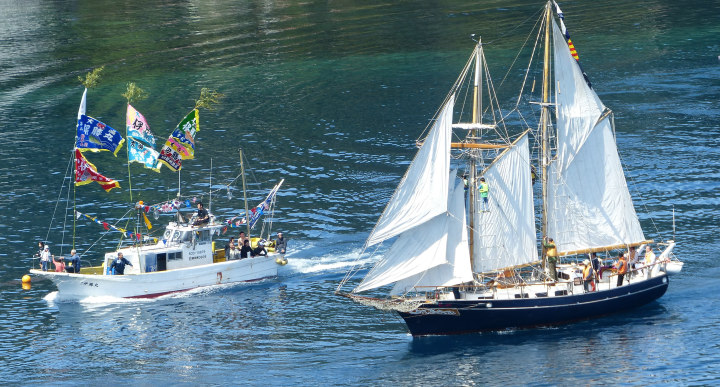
(423,191)
(505,235)
(589,204)
(457,269)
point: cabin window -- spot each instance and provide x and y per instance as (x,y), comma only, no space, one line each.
(176,256)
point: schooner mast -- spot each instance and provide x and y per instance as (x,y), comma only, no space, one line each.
(544,119)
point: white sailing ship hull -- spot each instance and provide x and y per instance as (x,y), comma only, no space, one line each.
(158,283)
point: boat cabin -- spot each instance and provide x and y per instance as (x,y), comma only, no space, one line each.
(181,246)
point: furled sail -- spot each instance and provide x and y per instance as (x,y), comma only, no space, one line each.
(422,193)
(505,235)
(457,269)
(589,204)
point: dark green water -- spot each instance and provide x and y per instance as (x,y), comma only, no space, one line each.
(331,96)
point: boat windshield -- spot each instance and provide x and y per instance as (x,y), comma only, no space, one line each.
(177,236)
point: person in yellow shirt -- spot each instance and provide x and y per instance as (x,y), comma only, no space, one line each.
(551,254)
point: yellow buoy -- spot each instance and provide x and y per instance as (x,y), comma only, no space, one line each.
(26,279)
(284,262)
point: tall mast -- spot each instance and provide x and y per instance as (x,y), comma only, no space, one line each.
(472,181)
(544,119)
(247,213)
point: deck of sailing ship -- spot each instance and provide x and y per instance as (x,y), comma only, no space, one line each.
(456,266)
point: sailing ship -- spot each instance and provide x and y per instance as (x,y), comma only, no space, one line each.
(185,256)
(460,264)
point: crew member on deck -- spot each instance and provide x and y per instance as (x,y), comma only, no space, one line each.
(622,266)
(119,264)
(551,254)
(280,243)
(59,264)
(74,262)
(246,249)
(202,215)
(230,249)
(260,249)
(45,258)
(588,276)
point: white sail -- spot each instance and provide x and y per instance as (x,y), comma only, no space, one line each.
(422,193)
(457,269)
(505,235)
(589,204)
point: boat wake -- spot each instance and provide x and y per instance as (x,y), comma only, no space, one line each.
(328,263)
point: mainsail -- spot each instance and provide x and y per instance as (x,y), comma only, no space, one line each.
(423,192)
(589,205)
(505,235)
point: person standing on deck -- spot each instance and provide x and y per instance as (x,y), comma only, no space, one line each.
(45,258)
(588,276)
(622,266)
(119,264)
(551,254)
(483,190)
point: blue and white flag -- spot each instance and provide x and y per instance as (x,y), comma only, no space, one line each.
(143,153)
(95,136)
(258,211)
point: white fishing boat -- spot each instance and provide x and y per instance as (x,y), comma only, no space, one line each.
(185,256)
(461,264)
(183,260)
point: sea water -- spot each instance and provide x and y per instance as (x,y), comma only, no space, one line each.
(331,97)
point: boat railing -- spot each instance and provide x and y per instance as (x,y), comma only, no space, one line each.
(563,286)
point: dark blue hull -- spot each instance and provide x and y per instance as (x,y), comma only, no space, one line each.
(464,316)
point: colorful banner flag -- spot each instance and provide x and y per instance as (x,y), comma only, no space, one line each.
(85,172)
(144,154)
(137,127)
(181,143)
(95,136)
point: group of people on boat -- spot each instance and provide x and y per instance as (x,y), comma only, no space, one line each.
(592,268)
(46,258)
(242,249)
